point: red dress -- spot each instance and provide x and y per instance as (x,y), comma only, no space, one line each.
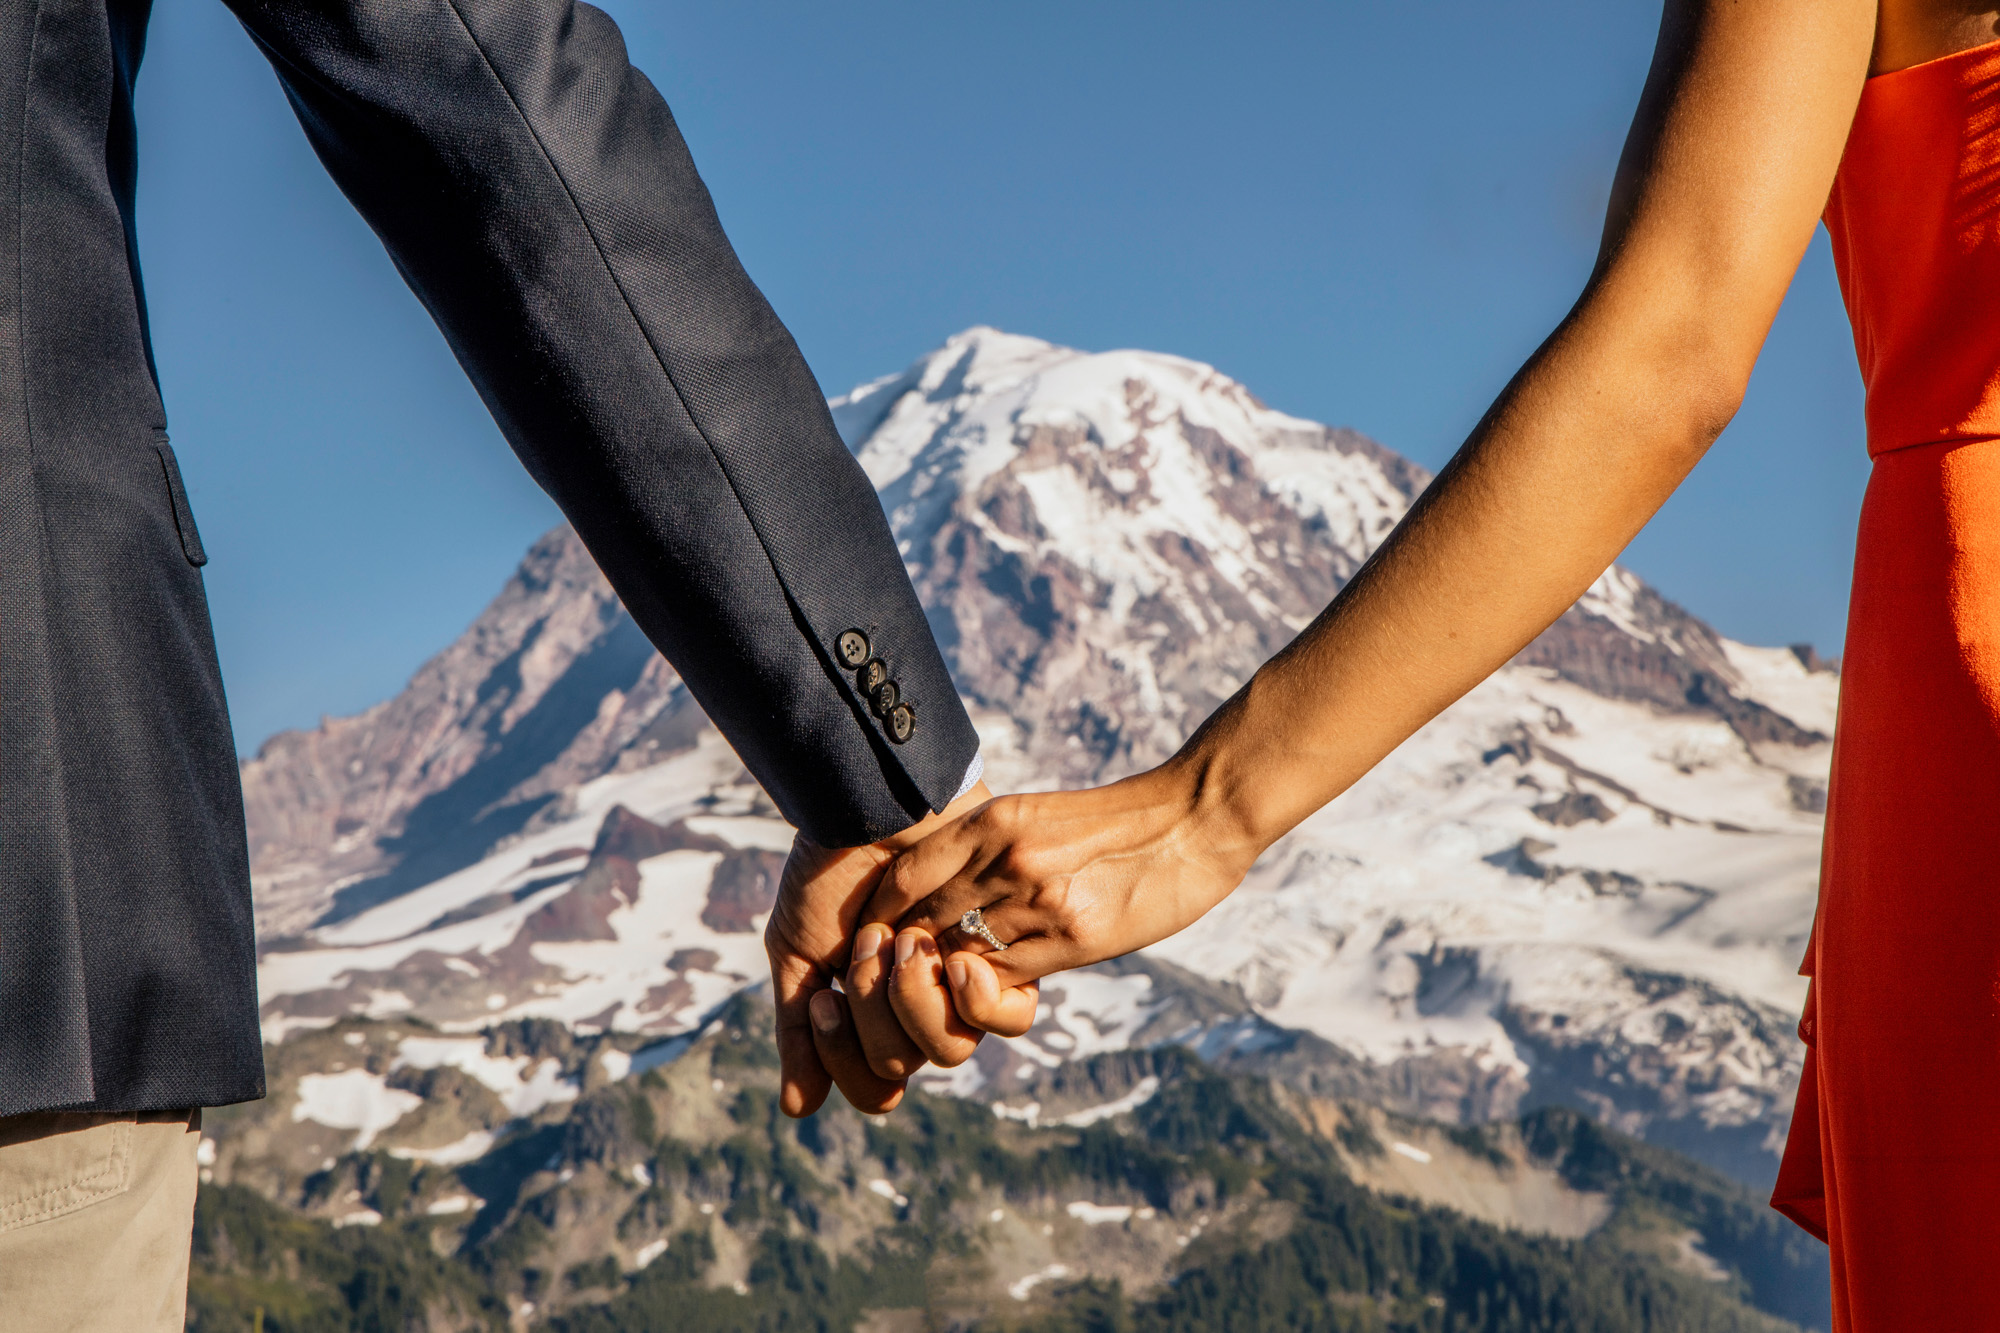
(1894,1156)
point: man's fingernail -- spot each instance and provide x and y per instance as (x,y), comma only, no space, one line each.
(868,943)
(955,969)
(906,944)
(826,1012)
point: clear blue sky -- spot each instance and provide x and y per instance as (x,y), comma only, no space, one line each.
(1369,213)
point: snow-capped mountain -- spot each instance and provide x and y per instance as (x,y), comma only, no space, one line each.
(1590,881)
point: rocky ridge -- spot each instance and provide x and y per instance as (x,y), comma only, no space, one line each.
(527,1178)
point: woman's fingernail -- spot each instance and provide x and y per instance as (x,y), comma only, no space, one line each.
(906,944)
(955,969)
(825,1012)
(868,943)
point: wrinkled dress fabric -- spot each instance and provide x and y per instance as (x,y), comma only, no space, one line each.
(1894,1154)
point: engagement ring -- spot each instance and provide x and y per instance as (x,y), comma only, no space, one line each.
(973,923)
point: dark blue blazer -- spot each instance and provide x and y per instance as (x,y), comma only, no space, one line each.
(532,188)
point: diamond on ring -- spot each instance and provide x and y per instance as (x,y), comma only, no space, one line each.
(973,923)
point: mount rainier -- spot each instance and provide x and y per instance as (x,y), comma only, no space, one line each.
(1588,883)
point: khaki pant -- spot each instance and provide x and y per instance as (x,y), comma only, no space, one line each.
(96,1212)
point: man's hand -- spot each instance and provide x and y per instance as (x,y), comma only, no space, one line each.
(809,938)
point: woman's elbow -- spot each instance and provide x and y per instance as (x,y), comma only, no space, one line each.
(1699,376)
(1710,400)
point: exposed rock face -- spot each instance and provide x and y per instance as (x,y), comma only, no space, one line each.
(743,891)
(1588,882)
(1625,641)
(547,689)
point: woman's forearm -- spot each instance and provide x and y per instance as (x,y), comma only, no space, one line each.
(1586,445)
(1728,165)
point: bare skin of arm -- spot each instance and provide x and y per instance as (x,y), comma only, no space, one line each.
(1724,175)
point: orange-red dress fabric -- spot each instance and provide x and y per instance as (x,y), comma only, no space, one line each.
(1894,1156)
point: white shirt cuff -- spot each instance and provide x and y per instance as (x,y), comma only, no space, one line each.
(973,772)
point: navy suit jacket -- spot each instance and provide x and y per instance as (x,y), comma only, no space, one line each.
(532,188)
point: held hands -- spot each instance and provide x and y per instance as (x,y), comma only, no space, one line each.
(1065,879)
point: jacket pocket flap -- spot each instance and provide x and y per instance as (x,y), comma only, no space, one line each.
(183,516)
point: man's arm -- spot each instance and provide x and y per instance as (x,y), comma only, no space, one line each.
(533,189)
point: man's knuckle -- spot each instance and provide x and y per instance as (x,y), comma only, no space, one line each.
(953,1054)
(997,819)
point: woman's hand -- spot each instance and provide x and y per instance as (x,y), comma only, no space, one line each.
(1064,879)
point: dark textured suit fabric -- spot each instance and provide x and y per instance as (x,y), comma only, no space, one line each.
(532,188)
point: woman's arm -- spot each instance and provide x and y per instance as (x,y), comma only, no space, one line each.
(1724,174)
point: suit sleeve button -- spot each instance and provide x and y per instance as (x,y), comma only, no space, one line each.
(902,723)
(884,699)
(872,676)
(852,647)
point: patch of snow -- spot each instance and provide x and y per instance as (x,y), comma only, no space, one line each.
(1099,1214)
(523,1091)
(353,1099)
(1029,1115)
(364,1217)
(452,1204)
(648,1252)
(1776,678)
(456,1153)
(1024,1288)
(888,1191)
(387,1004)
(1096,1011)
(276,1027)
(1410,1151)
(1614,596)
(600,974)
(768,835)
(1142,1092)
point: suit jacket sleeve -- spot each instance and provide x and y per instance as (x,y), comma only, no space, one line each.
(533,189)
